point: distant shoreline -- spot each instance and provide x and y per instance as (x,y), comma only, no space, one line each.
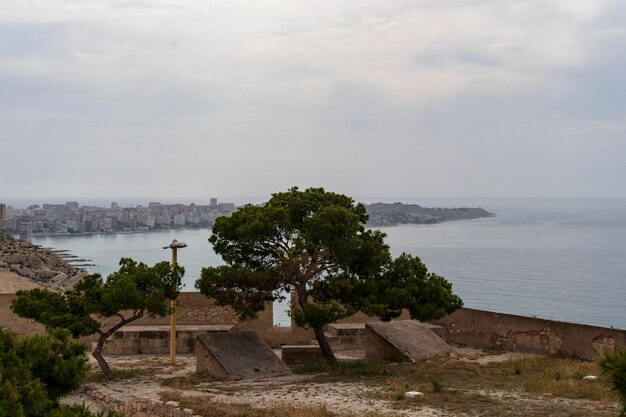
(133,232)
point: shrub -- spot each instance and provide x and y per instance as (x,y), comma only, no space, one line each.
(36,371)
(613,365)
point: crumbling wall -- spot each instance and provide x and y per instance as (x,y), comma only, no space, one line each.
(131,406)
(487,329)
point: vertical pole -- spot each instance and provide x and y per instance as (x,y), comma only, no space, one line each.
(173,315)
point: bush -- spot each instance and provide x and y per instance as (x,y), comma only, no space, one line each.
(36,371)
(613,365)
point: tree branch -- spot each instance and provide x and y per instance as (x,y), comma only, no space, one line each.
(122,323)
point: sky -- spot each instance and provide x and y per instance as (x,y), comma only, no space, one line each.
(136,98)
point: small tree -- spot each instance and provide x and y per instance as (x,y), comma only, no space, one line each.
(131,292)
(613,365)
(315,243)
(35,371)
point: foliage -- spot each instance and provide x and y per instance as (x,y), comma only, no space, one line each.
(130,292)
(36,371)
(613,365)
(404,283)
(299,241)
(315,243)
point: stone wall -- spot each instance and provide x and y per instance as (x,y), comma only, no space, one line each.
(466,326)
(301,354)
(131,340)
(491,330)
(132,406)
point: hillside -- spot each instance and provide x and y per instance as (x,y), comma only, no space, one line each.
(24,265)
(384,214)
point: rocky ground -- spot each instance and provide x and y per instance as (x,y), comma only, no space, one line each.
(24,265)
(473,383)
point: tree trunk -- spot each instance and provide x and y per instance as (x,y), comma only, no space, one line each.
(97,354)
(324,345)
(327,351)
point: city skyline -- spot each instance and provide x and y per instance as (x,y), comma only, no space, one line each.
(479,98)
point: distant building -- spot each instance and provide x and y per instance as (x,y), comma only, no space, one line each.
(213,202)
(72,205)
(115,206)
(3,211)
(226,208)
(179,220)
(25,228)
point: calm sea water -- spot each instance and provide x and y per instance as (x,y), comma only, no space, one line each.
(561,259)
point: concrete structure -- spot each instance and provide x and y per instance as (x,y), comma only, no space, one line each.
(528,334)
(3,211)
(131,340)
(346,336)
(301,354)
(466,326)
(237,355)
(403,340)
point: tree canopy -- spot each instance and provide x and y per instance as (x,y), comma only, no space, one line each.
(134,290)
(315,243)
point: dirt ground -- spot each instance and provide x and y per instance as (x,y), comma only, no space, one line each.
(356,397)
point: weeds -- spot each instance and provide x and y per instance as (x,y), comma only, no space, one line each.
(183,382)
(346,369)
(208,408)
(118,374)
(398,386)
(436,386)
(613,366)
(560,377)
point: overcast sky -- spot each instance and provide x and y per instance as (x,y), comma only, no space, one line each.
(441,98)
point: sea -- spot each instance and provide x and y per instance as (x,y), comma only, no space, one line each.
(559,259)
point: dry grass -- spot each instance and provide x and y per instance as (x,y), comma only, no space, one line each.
(534,386)
(207,408)
(561,378)
(529,387)
(96,375)
(183,382)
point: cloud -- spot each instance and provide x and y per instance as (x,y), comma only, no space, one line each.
(460,97)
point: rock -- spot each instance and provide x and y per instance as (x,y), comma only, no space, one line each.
(590,378)
(35,264)
(413,394)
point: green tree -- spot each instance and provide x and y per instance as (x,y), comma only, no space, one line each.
(613,365)
(35,371)
(404,283)
(134,290)
(315,244)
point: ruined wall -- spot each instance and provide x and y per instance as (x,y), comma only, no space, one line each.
(487,329)
(465,326)
(132,406)
(195,309)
